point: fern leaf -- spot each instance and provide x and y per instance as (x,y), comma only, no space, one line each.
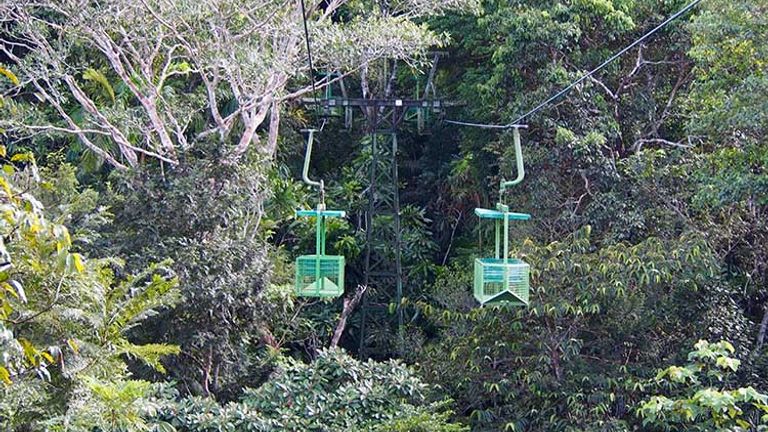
(150,354)
(99,78)
(144,301)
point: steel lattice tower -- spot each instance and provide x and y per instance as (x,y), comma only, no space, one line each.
(383,272)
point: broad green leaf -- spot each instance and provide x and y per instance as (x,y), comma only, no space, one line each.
(728,363)
(73,345)
(10,75)
(6,187)
(23,157)
(30,352)
(5,376)
(78,262)
(74,263)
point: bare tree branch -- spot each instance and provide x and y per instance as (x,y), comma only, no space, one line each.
(81,135)
(638,145)
(349,305)
(274,124)
(238,53)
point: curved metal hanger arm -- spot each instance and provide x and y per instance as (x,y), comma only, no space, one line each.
(518,160)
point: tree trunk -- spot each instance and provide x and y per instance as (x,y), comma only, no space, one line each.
(274,126)
(761,332)
(254,119)
(554,355)
(349,305)
(207,373)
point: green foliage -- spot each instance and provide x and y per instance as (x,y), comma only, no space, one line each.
(114,406)
(728,46)
(205,217)
(543,367)
(731,64)
(334,392)
(675,251)
(699,398)
(65,321)
(99,78)
(647,184)
(413,419)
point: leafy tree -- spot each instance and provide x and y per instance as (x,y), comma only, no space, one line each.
(334,392)
(699,398)
(65,319)
(206,217)
(572,361)
(730,53)
(211,220)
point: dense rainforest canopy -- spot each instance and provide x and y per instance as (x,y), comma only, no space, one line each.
(152,155)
